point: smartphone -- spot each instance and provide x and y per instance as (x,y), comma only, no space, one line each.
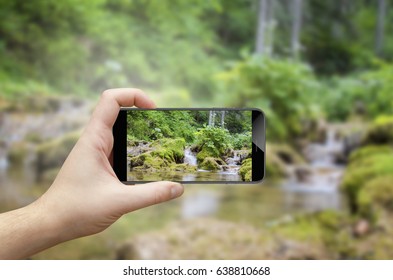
(189,145)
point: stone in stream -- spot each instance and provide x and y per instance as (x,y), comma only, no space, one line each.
(361,228)
(303,173)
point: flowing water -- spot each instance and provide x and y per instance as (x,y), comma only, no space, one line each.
(310,187)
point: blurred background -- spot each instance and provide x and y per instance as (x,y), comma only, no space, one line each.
(322,71)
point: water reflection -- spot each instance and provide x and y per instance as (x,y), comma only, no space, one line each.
(199,175)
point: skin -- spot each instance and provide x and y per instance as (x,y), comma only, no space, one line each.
(86,196)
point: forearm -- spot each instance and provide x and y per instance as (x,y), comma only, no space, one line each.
(26,231)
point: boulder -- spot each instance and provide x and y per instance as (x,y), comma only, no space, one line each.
(210,163)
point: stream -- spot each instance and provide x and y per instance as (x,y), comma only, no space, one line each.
(229,172)
(310,187)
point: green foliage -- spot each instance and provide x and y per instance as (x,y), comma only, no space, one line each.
(153,125)
(212,141)
(242,140)
(282,88)
(368,94)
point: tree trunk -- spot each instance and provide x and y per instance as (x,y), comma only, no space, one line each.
(261,28)
(222,119)
(296,26)
(212,115)
(379,33)
(270,27)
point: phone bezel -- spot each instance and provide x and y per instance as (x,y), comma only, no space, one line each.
(258,144)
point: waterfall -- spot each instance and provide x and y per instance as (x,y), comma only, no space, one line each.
(189,157)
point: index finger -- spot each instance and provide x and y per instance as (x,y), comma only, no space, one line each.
(111,100)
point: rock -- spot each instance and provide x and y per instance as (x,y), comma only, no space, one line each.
(18,153)
(245,170)
(302,173)
(366,164)
(361,228)
(53,153)
(379,133)
(210,163)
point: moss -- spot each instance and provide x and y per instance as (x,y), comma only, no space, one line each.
(209,163)
(139,160)
(171,150)
(286,153)
(381,132)
(368,151)
(275,166)
(245,170)
(166,151)
(375,196)
(53,153)
(17,153)
(183,167)
(363,169)
(206,152)
(34,137)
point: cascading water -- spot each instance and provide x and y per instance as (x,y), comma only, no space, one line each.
(190,157)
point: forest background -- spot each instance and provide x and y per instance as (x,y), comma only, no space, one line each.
(320,70)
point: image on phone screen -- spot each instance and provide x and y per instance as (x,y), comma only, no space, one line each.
(189,145)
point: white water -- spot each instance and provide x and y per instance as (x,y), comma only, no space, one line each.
(319,186)
(190,157)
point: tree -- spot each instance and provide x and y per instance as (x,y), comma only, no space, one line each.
(379,33)
(264,38)
(296,26)
(261,28)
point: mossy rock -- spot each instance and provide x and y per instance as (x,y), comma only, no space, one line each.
(286,153)
(206,152)
(183,167)
(275,166)
(381,132)
(376,196)
(209,163)
(365,166)
(53,153)
(170,149)
(18,153)
(138,160)
(147,161)
(327,229)
(166,151)
(245,170)
(368,151)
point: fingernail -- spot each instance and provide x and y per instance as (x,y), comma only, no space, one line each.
(176,190)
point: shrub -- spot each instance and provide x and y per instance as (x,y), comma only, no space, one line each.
(212,142)
(282,88)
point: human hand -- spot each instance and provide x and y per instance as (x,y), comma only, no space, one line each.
(86,196)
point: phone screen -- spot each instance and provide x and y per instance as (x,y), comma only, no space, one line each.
(188,145)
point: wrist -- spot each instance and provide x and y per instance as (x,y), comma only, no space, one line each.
(28,232)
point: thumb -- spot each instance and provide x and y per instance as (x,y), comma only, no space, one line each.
(140,196)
